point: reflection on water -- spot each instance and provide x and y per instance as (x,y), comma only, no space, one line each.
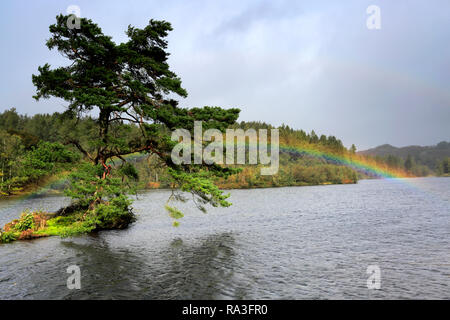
(179,271)
(285,243)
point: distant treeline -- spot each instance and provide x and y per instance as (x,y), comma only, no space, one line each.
(34,148)
(420,161)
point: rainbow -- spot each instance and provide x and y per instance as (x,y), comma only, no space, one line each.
(356,162)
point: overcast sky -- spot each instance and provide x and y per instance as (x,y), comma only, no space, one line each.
(308,64)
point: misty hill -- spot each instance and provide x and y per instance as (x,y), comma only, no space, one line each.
(429,156)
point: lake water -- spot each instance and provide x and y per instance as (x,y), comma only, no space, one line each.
(284,243)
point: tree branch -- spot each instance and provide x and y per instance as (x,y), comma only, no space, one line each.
(79,147)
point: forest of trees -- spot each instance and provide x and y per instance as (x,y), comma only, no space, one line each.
(24,137)
(27,141)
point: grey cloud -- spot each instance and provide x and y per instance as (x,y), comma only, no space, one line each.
(309,64)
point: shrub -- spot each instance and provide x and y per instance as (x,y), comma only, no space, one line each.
(25,222)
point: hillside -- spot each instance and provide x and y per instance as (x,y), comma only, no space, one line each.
(431,157)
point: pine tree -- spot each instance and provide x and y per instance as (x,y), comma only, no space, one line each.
(130,83)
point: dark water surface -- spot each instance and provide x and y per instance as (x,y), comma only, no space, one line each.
(284,243)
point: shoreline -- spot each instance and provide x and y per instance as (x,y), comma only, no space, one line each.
(57,192)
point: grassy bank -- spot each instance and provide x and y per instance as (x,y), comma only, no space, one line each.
(69,221)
